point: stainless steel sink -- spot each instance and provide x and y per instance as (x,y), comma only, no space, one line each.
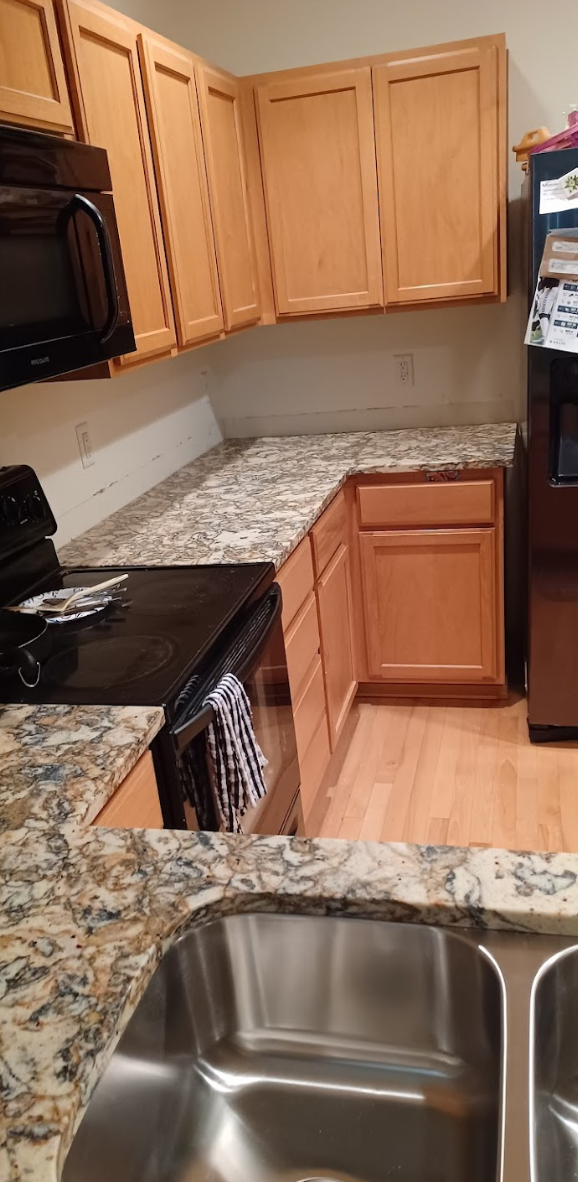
(273,1048)
(555,1074)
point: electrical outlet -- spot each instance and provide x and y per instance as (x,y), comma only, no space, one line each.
(85,445)
(404,368)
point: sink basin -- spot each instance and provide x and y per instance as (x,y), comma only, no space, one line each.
(273,1048)
(555,1125)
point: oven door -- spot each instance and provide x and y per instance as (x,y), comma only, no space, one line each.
(257,657)
(63,298)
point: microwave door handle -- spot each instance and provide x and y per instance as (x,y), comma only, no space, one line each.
(87,207)
(184,732)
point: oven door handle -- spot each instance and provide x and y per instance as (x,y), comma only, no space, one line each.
(240,666)
(80,202)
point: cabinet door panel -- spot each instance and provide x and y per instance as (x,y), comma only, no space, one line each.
(431,604)
(33,86)
(113,116)
(335,625)
(319,170)
(135,804)
(223,139)
(438,140)
(173,111)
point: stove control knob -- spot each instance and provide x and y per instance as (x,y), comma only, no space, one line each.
(10,511)
(35,507)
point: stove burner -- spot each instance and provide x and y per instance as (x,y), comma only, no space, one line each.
(180,590)
(112,661)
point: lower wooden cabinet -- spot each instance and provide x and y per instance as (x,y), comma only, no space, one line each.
(335,602)
(429,598)
(135,805)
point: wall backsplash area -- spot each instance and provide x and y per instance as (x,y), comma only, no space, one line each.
(316,375)
(143,426)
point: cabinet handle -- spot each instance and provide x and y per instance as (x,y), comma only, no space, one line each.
(442,477)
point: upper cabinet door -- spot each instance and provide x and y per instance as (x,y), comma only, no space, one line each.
(112,115)
(33,87)
(175,126)
(438,141)
(223,139)
(319,173)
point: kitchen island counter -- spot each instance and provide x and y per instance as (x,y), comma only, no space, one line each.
(86,915)
(253,500)
(60,765)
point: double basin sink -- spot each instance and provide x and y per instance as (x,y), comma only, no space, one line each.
(271,1048)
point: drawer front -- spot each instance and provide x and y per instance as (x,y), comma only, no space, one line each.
(310,708)
(302,645)
(314,764)
(296,581)
(469,502)
(329,532)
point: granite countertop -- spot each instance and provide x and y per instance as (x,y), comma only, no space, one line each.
(60,764)
(86,915)
(253,500)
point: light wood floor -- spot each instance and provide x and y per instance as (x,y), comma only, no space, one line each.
(449,775)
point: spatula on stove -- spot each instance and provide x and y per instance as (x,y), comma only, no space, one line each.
(59,607)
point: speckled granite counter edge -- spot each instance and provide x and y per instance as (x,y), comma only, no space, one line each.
(87,915)
(60,765)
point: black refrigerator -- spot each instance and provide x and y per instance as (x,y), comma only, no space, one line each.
(552,496)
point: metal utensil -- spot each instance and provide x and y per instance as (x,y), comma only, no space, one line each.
(60,606)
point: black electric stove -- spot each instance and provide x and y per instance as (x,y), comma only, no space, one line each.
(165,640)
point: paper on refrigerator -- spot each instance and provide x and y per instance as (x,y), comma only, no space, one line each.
(553,322)
(561,194)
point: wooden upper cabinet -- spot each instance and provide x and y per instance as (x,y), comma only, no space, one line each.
(431,607)
(171,98)
(438,119)
(33,88)
(319,173)
(219,100)
(111,114)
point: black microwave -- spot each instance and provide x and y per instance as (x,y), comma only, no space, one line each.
(63,298)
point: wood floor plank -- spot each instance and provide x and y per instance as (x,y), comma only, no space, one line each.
(461,811)
(527,821)
(549,815)
(419,811)
(375,813)
(441,773)
(504,825)
(444,783)
(345,784)
(350,829)
(437,831)
(486,774)
(398,804)
(568,787)
(366,776)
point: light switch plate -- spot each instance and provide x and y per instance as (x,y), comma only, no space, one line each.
(404,368)
(85,445)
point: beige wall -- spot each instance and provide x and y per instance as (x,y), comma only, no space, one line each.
(143,427)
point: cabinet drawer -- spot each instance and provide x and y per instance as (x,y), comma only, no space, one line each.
(470,502)
(302,645)
(296,581)
(329,532)
(314,764)
(310,708)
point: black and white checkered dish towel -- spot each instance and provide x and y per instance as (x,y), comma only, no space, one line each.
(236,757)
